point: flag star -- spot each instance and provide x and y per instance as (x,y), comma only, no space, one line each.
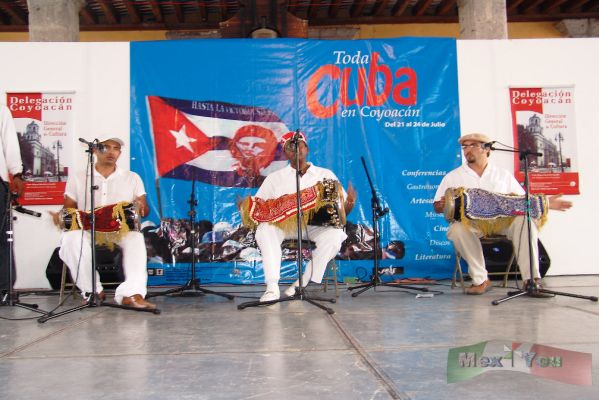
(182,139)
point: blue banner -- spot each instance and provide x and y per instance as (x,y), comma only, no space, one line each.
(206,117)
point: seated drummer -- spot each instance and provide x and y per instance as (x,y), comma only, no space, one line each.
(114,185)
(269,237)
(477,172)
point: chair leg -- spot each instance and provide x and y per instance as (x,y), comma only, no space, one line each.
(63,281)
(458,271)
(334,266)
(331,270)
(509,268)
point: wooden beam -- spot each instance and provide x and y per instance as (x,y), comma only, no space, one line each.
(530,6)
(178,10)
(313,8)
(552,6)
(292,7)
(379,7)
(333,8)
(356,8)
(512,5)
(108,11)
(399,8)
(17,16)
(445,7)
(132,12)
(156,10)
(224,10)
(574,5)
(421,7)
(202,7)
(87,16)
(592,6)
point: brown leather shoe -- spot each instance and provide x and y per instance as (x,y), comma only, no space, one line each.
(136,301)
(480,289)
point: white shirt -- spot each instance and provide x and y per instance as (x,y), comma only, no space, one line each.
(282,181)
(493,179)
(121,185)
(10,152)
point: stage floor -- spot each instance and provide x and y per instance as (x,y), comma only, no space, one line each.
(383,344)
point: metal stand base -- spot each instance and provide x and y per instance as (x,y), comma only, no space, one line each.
(534,291)
(8,301)
(190,289)
(373,284)
(92,303)
(300,294)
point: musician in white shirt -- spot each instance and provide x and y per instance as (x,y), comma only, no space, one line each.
(477,172)
(269,237)
(114,185)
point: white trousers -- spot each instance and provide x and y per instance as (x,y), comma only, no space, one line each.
(134,263)
(467,244)
(328,242)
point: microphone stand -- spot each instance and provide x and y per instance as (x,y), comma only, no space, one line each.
(377,213)
(192,287)
(93,298)
(11,205)
(533,289)
(300,291)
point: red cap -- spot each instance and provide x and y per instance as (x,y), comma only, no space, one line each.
(289,135)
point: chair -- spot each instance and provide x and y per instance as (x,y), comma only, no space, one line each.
(330,274)
(494,243)
(108,264)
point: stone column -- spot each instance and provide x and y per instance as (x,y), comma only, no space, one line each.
(54,20)
(486,19)
(579,28)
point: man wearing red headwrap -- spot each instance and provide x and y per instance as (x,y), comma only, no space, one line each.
(269,237)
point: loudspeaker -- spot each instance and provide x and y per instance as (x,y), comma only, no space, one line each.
(497,255)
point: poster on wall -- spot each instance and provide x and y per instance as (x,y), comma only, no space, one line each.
(543,122)
(213,134)
(44,124)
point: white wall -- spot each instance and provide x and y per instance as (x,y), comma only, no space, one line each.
(98,73)
(486,70)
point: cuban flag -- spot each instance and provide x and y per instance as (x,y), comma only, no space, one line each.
(218,143)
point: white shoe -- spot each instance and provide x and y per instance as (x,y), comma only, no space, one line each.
(290,291)
(271,294)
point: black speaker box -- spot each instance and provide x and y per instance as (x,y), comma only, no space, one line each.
(108,264)
(497,255)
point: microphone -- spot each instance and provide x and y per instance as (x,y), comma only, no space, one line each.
(23,210)
(296,137)
(489,145)
(94,145)
(19,208)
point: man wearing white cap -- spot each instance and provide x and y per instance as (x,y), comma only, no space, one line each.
(269,237)
(477,172)
(114,185)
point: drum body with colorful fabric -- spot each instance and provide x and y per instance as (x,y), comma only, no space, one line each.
(110,218)
(322,205)
(491,212)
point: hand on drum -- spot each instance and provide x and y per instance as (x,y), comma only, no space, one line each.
(351,198)
(556,203)
(54,216)
(439,205)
